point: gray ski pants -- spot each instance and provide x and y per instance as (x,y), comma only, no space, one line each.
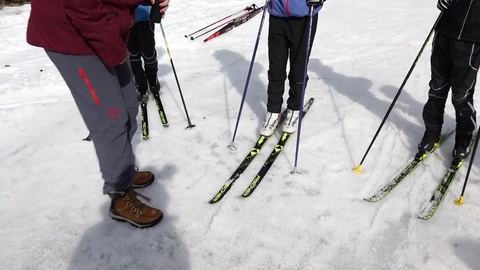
(107,100)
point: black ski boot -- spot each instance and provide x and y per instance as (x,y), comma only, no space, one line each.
(142,98)
(156,87)
(462,145)
(430,138)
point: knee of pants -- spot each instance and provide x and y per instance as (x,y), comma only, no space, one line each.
(150,59)
(439,85)
(438,91)
(279,77)
(296,85)
(296,78)
(135,56)
(293,81)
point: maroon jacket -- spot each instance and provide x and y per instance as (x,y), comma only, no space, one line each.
(83,27)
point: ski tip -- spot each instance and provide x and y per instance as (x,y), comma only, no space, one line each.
(217,198)
(192,38)
(310,101)
(427,213)
(371,199)
(424,217)
(247,193)
(213,201)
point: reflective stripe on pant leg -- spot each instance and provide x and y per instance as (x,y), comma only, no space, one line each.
(466,59)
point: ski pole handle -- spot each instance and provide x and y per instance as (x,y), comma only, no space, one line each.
(155,15)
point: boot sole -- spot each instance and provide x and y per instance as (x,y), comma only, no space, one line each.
(135,224)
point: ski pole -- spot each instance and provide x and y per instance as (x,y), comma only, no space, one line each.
(176,78)
(357,170)
(460,201)
(304,86)
(231,15)
(232,145)
(215,28)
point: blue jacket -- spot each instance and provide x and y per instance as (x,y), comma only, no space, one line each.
(142,13)
(290,8)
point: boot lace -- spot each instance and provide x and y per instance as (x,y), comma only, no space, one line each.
(135,205)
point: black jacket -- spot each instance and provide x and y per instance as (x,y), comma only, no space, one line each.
(462,21)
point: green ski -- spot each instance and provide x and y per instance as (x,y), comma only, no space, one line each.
(419,158)
(442,188)
(273,156)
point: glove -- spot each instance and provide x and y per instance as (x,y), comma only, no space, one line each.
(444,4)
(124,74)
(319,2)
(155,15)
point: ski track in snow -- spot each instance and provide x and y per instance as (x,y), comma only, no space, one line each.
(53,215)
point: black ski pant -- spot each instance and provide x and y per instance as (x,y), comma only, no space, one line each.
(454,65)
(141,44)
(287,39)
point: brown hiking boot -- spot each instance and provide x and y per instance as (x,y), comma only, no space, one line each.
(142,179)
(126,207)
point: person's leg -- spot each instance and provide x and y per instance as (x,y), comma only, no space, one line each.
(297,34)
(146,36)
(433,111)
(101,101)
(127,85)
(298,37)
(277,58)
(133,46)
(466,60)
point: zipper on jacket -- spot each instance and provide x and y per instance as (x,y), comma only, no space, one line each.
(465,21)
(87,81)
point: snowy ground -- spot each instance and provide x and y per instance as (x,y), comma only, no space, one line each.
(53,214)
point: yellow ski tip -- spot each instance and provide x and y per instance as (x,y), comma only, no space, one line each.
(460,201)
(357,170)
